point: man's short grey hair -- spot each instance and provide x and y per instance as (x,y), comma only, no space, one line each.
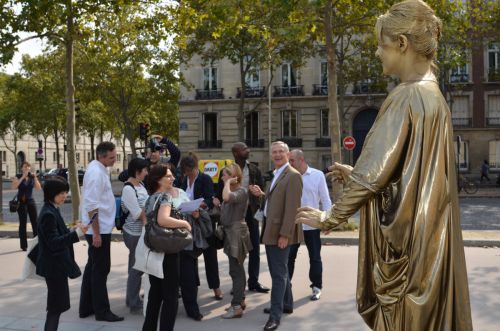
(103,148)
(298,153)
(279,142)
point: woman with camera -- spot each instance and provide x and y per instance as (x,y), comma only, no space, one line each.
(164,293)
(24,183)
(56,259)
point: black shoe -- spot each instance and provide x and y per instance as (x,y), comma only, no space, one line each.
(271,325)
(258,288)
(285,311)
(197,318)
(109,317)
(86,314)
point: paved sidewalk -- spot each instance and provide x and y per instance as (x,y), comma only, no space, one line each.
(22,304)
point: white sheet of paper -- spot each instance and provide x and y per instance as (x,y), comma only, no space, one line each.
(190,206)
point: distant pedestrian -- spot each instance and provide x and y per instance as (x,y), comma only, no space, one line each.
(485,170)
(24,183)
(314,194)
(98,211)
(56,259)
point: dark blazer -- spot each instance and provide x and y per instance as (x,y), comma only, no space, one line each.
(282,201)
(203,188)
(55,245)
(255,178)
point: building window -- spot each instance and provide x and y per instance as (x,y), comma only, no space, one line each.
(252,128)
(460,74)
(494,155)
(493,115)
(288,75)
(460,114)
(289,123)
(326,161)
(210,79)
(324,74)
(463,156)
(494,62)
(324,123)
(78,157)
(54,158)
(88,156)
(252,78)
(210,127)
(118,157)
(4,156)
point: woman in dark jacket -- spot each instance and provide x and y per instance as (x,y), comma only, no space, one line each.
(56,261)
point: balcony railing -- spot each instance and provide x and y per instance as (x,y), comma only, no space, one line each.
(209,94)
(288,91)
(292,141)
(365,88)
(462,122)
(257,143)
(209,144)
(323,142)
(493,121)
(494,75)
(459,78)
(251,92)
(320,89)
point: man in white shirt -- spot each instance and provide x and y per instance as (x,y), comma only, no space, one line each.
(98,211)
(314,194)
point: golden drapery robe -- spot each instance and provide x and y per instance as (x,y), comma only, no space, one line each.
(411,264)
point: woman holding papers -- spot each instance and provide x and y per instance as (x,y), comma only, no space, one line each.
(237,242)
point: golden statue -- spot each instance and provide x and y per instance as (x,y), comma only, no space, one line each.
(411,263)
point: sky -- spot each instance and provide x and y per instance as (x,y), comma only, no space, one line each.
(32,47)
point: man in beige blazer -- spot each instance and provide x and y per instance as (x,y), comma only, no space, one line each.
(279,230)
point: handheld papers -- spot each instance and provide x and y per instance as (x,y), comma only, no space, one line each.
(190,206)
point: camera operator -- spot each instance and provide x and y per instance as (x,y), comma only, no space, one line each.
(156,146)
(24,184)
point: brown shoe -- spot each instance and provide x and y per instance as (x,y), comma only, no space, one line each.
(233,312)
(218,294)
(242,304)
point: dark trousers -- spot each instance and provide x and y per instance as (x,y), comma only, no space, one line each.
(237,273)
(189,282)
(281,291)
(313,244)
(94,293)
(25,209)
(163,293)
(254,254)
(211,267)
(132,298)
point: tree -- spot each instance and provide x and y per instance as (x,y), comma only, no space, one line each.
(251,34)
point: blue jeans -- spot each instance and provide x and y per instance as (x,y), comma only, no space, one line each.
(313,244)
(281,291)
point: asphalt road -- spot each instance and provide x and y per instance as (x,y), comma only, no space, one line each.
(476,213)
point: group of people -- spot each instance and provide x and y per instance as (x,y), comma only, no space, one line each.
(411,268)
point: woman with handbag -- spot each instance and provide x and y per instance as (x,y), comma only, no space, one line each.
(237,241)
(134,196)
(164,293)
(24,183)
(56,260)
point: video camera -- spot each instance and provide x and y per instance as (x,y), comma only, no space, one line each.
(154,145)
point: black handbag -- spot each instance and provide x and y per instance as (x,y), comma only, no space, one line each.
(14,204)
(167,240)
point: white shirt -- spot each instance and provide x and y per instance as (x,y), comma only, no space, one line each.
(314,192)
(190,187)
(246,176)
(277,174)
(134,204)
(98,194)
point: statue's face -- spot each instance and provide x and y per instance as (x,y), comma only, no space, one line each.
(390,54)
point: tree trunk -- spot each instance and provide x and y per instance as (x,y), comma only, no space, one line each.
(70,118)
(45,153)
(241,116)
(335,117)
(92,149)
(124,150)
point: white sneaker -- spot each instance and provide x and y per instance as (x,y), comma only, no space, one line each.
(316,294)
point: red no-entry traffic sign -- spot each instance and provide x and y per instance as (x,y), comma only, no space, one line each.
(349,143)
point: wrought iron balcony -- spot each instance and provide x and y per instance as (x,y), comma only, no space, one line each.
(494,75)
(288,91)
(461,122)
(323,142)
(251,92)
(493,121)
(209,94)
(366,88)
(257,143)
(320,89)
(292,141)
(459,78)
(209,144)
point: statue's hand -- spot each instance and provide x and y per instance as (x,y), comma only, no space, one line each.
(309,216)
(340,172)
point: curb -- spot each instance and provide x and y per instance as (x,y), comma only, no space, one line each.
(326,241)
